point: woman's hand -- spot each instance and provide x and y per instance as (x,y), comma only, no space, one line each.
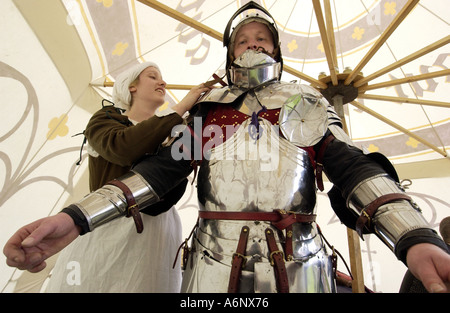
(190,99)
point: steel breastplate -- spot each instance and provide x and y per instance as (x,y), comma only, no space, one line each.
(244,175)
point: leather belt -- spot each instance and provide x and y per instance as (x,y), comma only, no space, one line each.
(281,219)
(133,208)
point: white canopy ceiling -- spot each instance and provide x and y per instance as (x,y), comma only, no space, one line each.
(57,56)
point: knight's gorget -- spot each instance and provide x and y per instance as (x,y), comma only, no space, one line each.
(252,69)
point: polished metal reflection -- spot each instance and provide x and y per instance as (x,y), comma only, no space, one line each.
(303,117)
(395,219)
(254,68)
(109,202)
(369,190)
(391,221)
(246,175)
(246,78)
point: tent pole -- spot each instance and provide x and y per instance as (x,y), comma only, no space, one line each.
(168,86)
(330,31)
(405,100)
(326,43)
(217,35)
(354,246)
(400,128)
(403,61)
(405,80)
(384,36)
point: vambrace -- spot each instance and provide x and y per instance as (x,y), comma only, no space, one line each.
(152,186)
(385,209)
(111,201)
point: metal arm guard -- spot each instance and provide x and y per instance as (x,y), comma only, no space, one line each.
(154,185)
(385,209)
(111,201)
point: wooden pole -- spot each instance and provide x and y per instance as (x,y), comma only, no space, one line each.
(217,35)
(330,32)
(384,36)
(403,61)
(168,86)
(400,128)
(405,100)
(405,80)
(354,246)
(182,18)
(326,43)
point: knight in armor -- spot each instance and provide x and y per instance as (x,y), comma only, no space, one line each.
(258,148)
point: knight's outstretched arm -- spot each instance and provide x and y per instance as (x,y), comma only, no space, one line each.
(368,198)
(154,184)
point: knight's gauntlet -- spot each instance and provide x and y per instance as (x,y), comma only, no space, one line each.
(384,208)
(121,197)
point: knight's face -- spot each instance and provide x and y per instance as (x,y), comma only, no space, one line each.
(253,36)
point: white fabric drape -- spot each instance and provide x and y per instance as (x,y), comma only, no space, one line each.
(115,258)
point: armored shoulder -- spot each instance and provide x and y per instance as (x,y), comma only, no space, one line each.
(304,114)
(222,95)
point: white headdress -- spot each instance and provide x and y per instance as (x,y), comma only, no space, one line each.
(121,95)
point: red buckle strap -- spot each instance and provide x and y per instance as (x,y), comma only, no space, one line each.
(238,261)
(277,261)
(365,218)
(133,208)
(280,219)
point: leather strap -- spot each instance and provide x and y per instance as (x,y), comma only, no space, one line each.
(279,218)
(238,261)
(133,208)
(319,161)
(216,80)
(277,261)
(367,213)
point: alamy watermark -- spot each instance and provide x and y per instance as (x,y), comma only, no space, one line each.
(249,142)
(73,278)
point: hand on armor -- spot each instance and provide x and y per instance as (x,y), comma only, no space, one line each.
(431,265)
(190,99)
(32,244)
